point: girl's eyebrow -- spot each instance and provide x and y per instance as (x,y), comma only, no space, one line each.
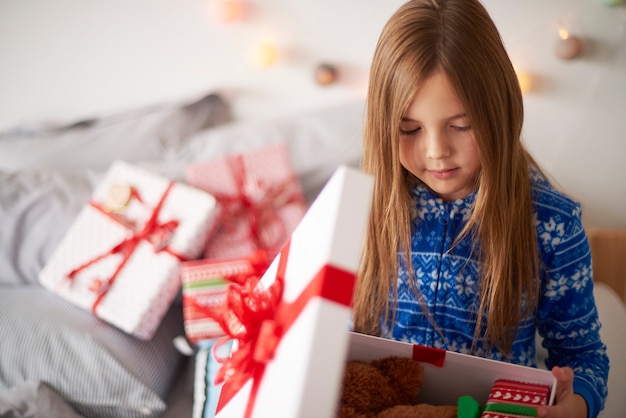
(458,116)
(451,118)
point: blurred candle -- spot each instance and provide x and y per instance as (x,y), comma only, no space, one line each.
(265,54)
(568,46)
(230,10)
(325,74)
(524,79)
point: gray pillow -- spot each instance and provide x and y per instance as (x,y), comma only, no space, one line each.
(34,400)
(143,134)
(36,209)
(47,175)
(97,369)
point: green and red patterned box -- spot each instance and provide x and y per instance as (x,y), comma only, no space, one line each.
(512,399)
(204,284)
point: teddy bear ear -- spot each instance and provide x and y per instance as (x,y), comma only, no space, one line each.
(394,365)
(405,376)
(366,391)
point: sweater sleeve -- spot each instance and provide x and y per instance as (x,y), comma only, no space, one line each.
(568,319)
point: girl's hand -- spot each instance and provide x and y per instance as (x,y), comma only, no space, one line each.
(567,404)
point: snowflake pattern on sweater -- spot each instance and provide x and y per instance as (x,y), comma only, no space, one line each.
(567,319)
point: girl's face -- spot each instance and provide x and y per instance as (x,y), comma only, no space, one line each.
(437,144)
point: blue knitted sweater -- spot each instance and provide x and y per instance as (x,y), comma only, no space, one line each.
(567,319)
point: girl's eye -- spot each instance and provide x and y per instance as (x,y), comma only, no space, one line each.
(409,131)
(462,128)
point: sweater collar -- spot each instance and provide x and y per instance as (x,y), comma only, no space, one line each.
(427,204)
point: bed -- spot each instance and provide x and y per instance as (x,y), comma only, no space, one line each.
(62,360)
(55,351)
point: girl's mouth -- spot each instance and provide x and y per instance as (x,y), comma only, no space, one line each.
(443,174)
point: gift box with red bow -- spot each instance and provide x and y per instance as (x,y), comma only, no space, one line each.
(261,197)
(204,288)
(289,329)
(121,256)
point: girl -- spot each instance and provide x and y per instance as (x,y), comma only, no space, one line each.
(469,247)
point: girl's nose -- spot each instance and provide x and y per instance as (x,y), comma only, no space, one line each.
(437,146)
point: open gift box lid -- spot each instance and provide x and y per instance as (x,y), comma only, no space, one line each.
(449,375)
(294,369)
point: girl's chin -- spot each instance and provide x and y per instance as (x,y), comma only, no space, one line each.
(448,195)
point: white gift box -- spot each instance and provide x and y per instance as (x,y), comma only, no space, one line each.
(449,375)
(121,255)
(303,374)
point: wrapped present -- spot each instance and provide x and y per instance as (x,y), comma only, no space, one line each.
(205,391)
(512,398)
(261,196)
(121,256)
(289,330)
(204,288)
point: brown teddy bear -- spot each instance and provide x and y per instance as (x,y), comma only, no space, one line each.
(387,388)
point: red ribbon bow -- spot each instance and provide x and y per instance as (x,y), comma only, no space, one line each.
(250,269)
(158,234)
(261,211)
(258,261)
(248,318)
(257,318)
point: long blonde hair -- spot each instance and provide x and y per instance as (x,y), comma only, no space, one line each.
(458,37)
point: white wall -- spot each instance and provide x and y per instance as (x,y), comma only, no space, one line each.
(67,59)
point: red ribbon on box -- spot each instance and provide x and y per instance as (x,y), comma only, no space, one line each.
(158,234)
(261,212)
(250,269)
(431,355)
(257,319)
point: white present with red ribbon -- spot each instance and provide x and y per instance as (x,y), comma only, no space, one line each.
(290,328)
(261,197)
(120,258)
